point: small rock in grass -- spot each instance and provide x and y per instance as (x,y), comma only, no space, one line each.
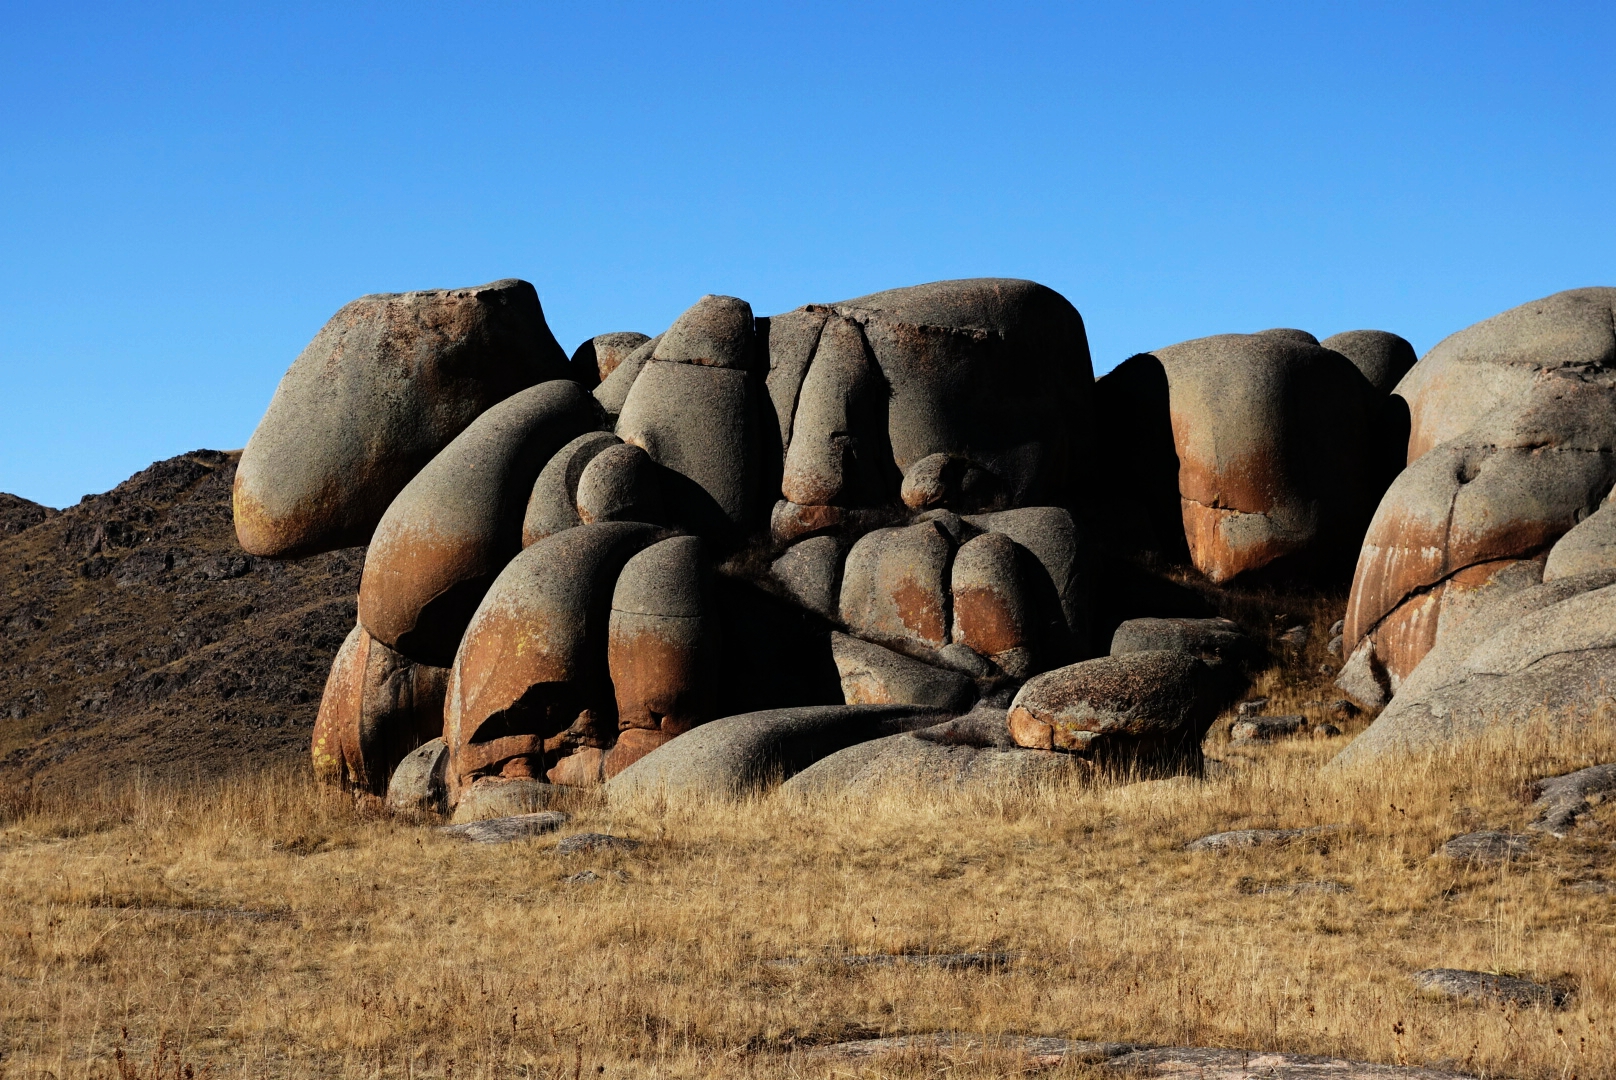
(503,830)
(1209,1063)
(1595,886)
(1266,728)
(1335,646)
(589,877)
(1338,628)
(1562,799)
(1482,986)
(1250,838)
(1325,731)
(579,843)
(1292,888)
(1034,1050)
(1486,846)
(1295,637)
(947,961)
(1254,707)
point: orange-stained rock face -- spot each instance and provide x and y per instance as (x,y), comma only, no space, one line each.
(377,707)
(1468,511)
(632,744)
(1279,446)
(530,679)
(895,587)
(459,521)
(657,668)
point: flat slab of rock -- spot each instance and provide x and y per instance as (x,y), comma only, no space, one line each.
(1482,986)
(579,843)
(1267,728)
(1208,1063)
(946,961)
(504,830)
(912,759)
(1488,846)
(1295,888)
(1128,1059)
(1034,1050)
(1250,838)
(1562,799)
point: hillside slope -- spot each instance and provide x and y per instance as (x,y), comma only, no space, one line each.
(137,637)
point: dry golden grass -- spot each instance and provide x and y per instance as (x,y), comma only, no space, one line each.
(274,929)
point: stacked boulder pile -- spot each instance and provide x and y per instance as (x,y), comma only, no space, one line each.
(880,520)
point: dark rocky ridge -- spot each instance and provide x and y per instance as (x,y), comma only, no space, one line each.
(137,637)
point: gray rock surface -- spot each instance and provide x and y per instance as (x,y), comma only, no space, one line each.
(1279,446)
(586,843)
(1486,987)
(994,611)
(1032,1051)
(810,572)
(383,387)
(1267,728)
(661,651)
(594,361)
(1383,358)
(1542,651)
(793,337)
(909,762)
(895,587)
(1486,847)
(1136,706)
(1063,597)
(1470,373)
(613,390)
(1249,838)
(715,331)
(1560,800)
(1205,1063)
(1467,511)
(838,453)
(459,521)
(699,422)
(377,706)
(530,683)
(553,505)
(496,798)
(621,483)
(874,675)
(973,961)
(1213,640)
(1590,546)
(418,783)
(736,755)
(505,830)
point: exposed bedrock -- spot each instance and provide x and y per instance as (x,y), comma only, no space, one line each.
(1481,510)
(459,521)
(1279,449)
(384,386)
(1482,367)
(613,389)
(530,685)
(377,707)
(1384,358)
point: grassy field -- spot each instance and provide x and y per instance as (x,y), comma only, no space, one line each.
(271,928)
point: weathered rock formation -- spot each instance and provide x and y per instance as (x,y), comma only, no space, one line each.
(384,386)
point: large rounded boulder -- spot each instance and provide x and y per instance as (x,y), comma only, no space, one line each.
(1278,447)
(383,387)
(983,385)
(1498,361)
(530,685)
(459,521)
(1476,511)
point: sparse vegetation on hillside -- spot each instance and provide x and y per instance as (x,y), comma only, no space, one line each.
(268,928)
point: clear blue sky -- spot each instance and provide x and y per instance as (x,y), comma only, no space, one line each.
(188,192)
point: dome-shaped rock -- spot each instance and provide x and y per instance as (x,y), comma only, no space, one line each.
(1468,510)
(553,505)
(660,639)
(384,386)
(621,483)
(459,521)
(1470,373)
(895,588)
(1383,358)
(597,358)
(530,683)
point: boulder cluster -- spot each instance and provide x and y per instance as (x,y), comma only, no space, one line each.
(891,520)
